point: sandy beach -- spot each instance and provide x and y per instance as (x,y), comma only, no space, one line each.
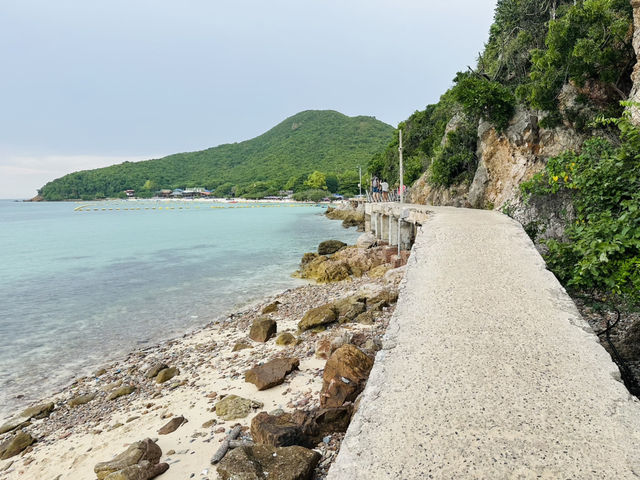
(72,439)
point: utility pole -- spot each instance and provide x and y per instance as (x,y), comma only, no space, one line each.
(360,181)
(401,167)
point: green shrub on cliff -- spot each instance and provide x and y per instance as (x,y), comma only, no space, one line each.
(602,250)
(483,98)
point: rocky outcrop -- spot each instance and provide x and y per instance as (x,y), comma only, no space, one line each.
(345,375)
(262,329)
(233,406)
(350,216)
(506,160)
(342,264)
(271,373)
(261,461)
(138,462)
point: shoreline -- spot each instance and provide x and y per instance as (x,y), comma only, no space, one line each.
(80,437)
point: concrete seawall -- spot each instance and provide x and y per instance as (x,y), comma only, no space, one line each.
(487,370)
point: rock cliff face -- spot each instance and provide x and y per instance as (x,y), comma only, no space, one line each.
(635,92)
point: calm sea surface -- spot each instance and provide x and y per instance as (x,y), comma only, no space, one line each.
(80,288)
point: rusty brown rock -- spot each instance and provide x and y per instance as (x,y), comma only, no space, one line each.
(345,375)
(271,373)
(262,329)
(172,425)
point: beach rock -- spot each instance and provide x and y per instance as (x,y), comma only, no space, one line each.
(329,247)
(345,375)
(38,411)
(271,373)
(15,444)
(173,425)
(308,258)
(287,339)
(121,392)
(348,309)
(144,454)
(166,374)
(241,346)
(155,369)
(276,431)
(382,299)
(142,471)
(366,318)
(14,424)
(366,240)
(328,344)
(395,275)
(262,329)
(259,462)
(232,407)
(82,399)
(23,419)
(318,316)
(271,308)
(379,271)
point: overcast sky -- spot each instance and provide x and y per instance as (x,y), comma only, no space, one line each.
(92,83)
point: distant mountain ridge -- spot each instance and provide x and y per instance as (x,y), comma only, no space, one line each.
(312,140)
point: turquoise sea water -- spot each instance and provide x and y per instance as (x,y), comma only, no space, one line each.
(80,288)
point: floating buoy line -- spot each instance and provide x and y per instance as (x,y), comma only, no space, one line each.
(177,206)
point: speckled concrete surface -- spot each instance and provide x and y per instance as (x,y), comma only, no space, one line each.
(488,370)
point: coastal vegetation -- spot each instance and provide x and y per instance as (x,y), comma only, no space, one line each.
(326,142)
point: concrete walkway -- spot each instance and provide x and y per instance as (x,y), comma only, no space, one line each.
(488,370)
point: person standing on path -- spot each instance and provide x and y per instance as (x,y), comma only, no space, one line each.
(385,191)
(375,188)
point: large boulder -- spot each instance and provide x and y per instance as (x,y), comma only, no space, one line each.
(232,407)
(345,375)
(259,462)
(329,247)
(15,444)
(277,430)
(271,373)
(348,308)
(287,339)
(318,316)
(262,329)
(138,462)
(366,240)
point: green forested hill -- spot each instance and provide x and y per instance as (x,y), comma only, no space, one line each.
(324,141)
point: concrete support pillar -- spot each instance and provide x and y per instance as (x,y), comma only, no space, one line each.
(384,228)
(393,230)
(406,235)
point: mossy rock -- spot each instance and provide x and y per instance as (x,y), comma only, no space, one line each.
(286,339)
(318,316)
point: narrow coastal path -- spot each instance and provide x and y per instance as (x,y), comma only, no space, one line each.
(488,371)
